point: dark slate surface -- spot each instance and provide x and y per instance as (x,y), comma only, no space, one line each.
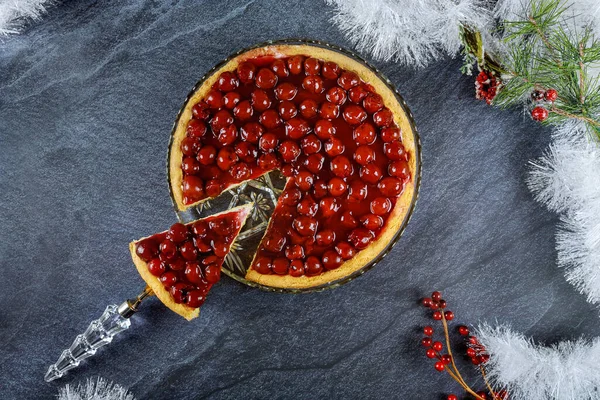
(88,97)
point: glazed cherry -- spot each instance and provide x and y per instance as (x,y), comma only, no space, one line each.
(220,248)
(179,292)
(287,110)
(400,170)
(263,265)
(220,120)
(270,119)
(193,272)
(357,94)
(383,118)
(168,279)
(280,266)
(394,151)
(312,66)
(370,173)
(280,68)
(330,70)
(227,82)
(190,166)
(361,238)
(329,110)
(207,155)
(313,84)
(228,135)
(200,111)
(275,242)
(313,266)
(295,64)
(286,91)
(196,128)
(328,206)
(168,249)
(296,268)
(146,249)
(200,228)
(345,250)
(341,166)
(268,142)
(260,100)
(195,298)
(320,189)
(231,99)
(226,158)
(265,79)
(177,233)
(240,172)
(380,206)
(291,197)
(251,132)
(246,151)
(193,188)
(304,225)
(358,191)
(324,129)
(348,79)
(336,95)
(243,111)
(314,162)
(373,103)
(311,144)
(364,155)
(190,146)
(296,128)
(347,220)
(294,252)
(334,147)
(177,263)
(337,187)
(307,207)
(354,114)
(289,151)
(331,260)
(304,180)
(268,161)
(156,267)
(365,133)
(309,108)
(246,72)
(188,251)
(325,237)
(390,186)
(214,99)
(390,134)
(371,221)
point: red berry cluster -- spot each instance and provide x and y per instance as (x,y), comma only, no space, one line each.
(539,97)
(187,259)
(326,130)
(486,86)
(445,362)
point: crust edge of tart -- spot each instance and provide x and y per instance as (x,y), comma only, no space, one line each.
(409,140)
(157,287)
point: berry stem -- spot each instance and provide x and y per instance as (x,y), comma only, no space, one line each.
(487,383)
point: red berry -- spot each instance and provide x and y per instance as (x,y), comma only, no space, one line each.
(312,66)
(227,82)
(287,110)
(190,166)
(289,151)
(364,133)
(334,147)
(482,394)
(446,359)
(427,302)
(430,353)
(436,296)
(188,251)
(551,95)
(463,330)
(426,342)
(156,267)
(449,315)
(243,111)
(329,110)
(207,155)
(451,397)
(330,70)
(337,187)
(439,366)
(260,100)
(313,84)
(539,113)
(177,263)
(226,158)
(370,173)
(305,226)
(307,206)
(227,136)
(471,352)
(437,315)
(295,64)
(214,99)
(437,346)
(373,103)
(296,128)
(381,206)
(280,68)
(331,260)
(265,79)
(442,303)
(270,119)
(231,99)
(361,238)
(336,95)
(246,72)
(354,114)
(296,268)
(291,196)
(286,91)
(348,79)
(309,108)
(196,128)
(428,330)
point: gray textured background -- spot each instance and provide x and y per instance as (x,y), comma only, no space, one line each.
(87,100)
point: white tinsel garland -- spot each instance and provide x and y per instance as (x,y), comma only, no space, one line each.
(566,371)
(14,14)
(98,389)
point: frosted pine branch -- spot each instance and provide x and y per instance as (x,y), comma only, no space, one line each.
(568,370)
(14,14)
(99,389)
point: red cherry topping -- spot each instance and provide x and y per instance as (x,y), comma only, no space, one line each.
(286,91)
(390,134)
(188,251)
(196,128)
(304,180)
(295,64)
(275,242)
(266,79)
(337,187)
(312,66)
(304,225)
(190,146)
(268,142)
(213,188)
(146,249)
(296,268)
(400,170)
(381,206)
(347,220)
(314,162)
(330,70)
(193,188)
(364,155)
(287,110)
(207,155)
(358,191)
(226,158)
(270,119)
(336,95)
(179,292)
(280,266)
(341,166)
(251,132)
(227,82)
(291,197)
(334,147)
(390,187)
(214,99)
(348,79)
(193,272)
(308,207)
(178,233)
(314,84)
(246,72)
(360,238)
(280,68)
(231,99)
(260,100)
(325,237)
(263,265)
(201,111)
(221,120)
(177,263)
(246,151)
(240,172)
(168,279)
(329,110)
(357,94)
(311,144)
(313,266)
(294,252)
(383,118)
(168,249)
(354,114)
(373,103)
(328,206)
(156,267)
(364,133)
(309,108)
(371,221)
(195,298)
(243,111)
(268,161)
(331,260)
(370,173)
(320,189)
(296,128)
(289,151)
(345,250)
(324,129)
(228,135)
(190,166)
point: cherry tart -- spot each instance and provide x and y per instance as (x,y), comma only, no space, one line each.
(181,265)
(330,125)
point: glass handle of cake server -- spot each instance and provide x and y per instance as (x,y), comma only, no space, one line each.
(99,333)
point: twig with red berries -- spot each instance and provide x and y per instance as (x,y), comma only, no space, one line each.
(446,362)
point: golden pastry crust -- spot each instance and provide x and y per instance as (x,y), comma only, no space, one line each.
(157,287)
(403,204)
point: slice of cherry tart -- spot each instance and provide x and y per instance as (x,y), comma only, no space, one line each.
(181,265)
(332,127)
